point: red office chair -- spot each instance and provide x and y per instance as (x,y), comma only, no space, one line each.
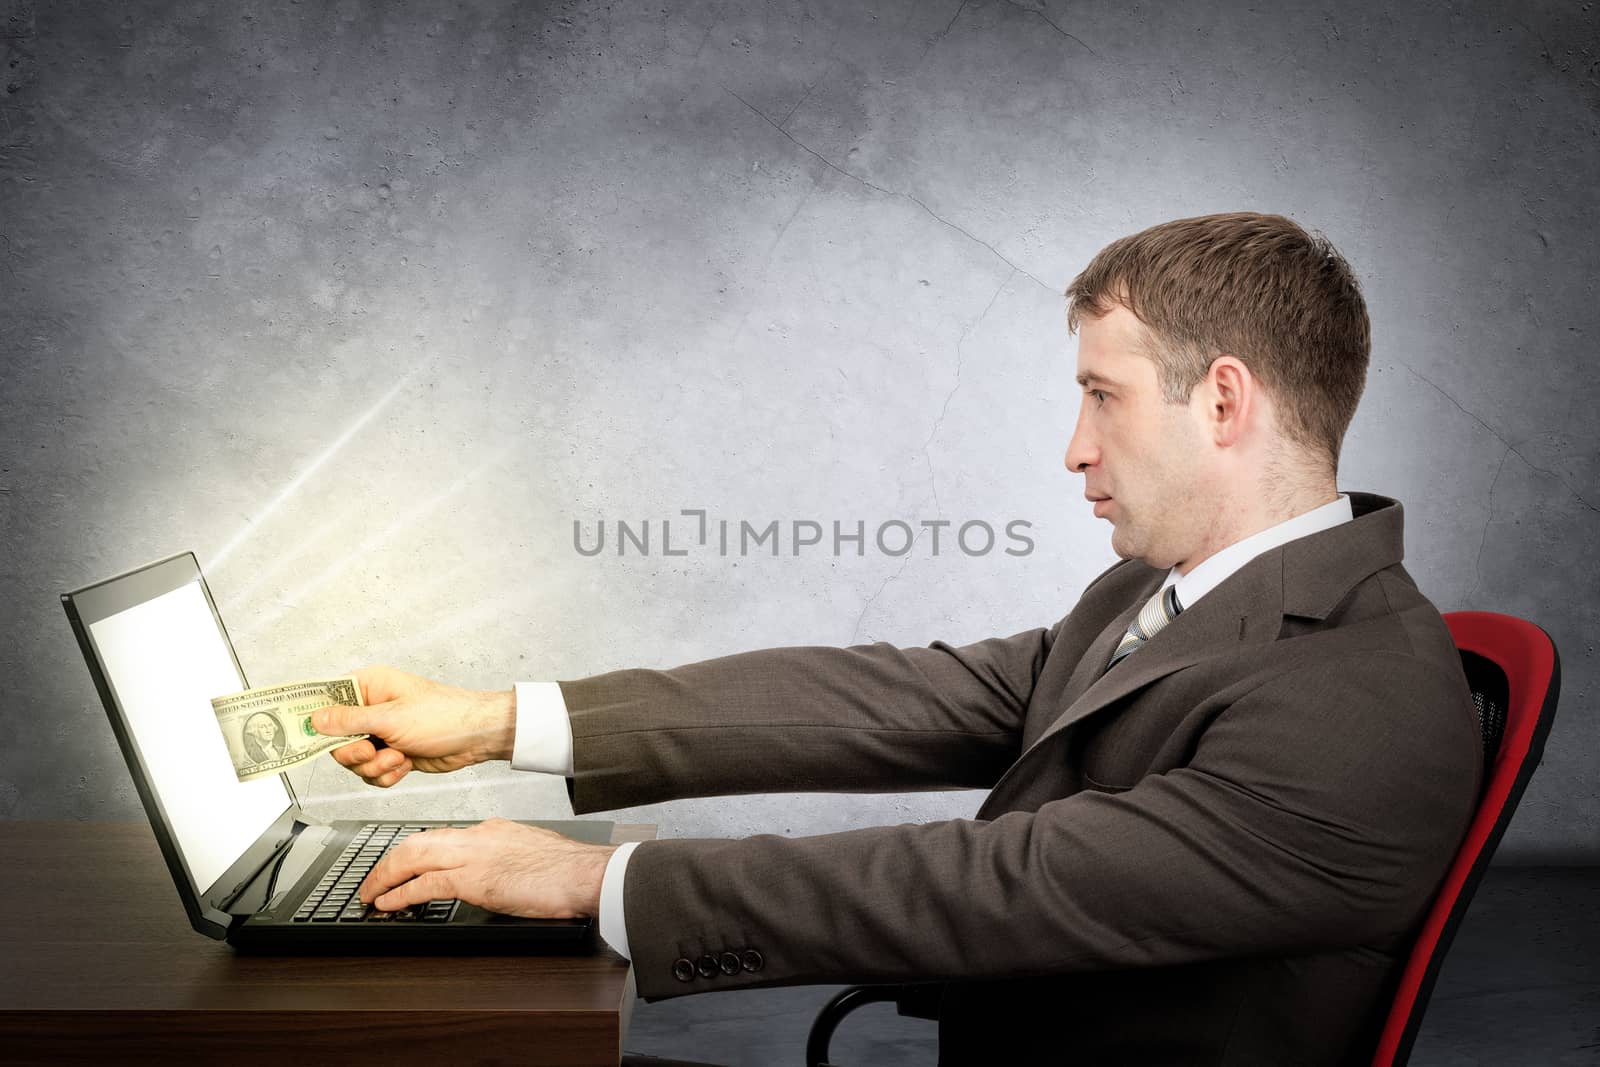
(1514,674)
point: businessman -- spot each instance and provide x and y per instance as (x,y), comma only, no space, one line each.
(1223,788)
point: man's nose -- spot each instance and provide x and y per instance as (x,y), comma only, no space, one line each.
(1081,451)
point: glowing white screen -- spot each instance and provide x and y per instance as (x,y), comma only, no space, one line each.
(165,660)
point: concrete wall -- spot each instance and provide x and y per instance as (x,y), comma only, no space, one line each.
(367,303)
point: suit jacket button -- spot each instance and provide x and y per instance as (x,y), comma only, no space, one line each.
(729,962)
(682,970)
(751,960)
(707,966)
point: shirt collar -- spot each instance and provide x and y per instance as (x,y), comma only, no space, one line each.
(1211,572)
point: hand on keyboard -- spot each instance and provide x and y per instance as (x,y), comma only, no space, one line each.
(499,865)
(334,898)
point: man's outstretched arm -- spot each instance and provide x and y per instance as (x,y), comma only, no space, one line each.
(857,700)
(876,717)
(867,718)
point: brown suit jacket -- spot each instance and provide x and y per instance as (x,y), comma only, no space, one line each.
(1216,852)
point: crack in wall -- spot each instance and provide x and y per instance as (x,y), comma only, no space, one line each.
(831,165)
(833,44)
(1513,448)
(939,420)
(766,261)
(868,605)
(928,458)
(1484,536)
(946,31)
(807,94)
(941,35)
(1051,23)
(1015,269)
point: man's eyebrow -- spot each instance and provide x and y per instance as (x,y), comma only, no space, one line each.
(1085,379)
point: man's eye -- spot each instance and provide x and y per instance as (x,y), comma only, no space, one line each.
(1099,395)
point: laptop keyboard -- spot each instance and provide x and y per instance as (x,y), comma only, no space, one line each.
(334,898)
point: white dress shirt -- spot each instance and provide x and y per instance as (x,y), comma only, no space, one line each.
(1212,570)
(544,732)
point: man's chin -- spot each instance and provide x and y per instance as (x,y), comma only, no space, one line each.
(1126,546)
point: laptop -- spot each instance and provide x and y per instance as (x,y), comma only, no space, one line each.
(250,866)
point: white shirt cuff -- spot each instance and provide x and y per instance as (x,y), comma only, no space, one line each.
(544,732)
(613,925)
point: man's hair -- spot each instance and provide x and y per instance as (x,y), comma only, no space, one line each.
(1254,286)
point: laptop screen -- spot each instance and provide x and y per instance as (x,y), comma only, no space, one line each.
(165,658)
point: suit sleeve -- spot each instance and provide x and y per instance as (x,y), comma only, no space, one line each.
(867,718)
(1320,808)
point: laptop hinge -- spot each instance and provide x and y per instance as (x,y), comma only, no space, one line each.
(225,892)
(270,863)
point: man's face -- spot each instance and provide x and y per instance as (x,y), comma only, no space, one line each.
(1130,445)
(264,731)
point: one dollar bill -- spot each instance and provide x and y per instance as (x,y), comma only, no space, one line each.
(269,730)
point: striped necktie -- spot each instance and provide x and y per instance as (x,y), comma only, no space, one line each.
(1159,610)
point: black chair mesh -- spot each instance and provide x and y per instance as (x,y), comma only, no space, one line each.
(1490,695)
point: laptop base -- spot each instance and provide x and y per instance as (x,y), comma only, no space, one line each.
(280,930)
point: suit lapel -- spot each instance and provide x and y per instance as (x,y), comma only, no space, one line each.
(1245,610)
(1093,662)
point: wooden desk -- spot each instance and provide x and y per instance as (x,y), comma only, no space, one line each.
(98,963)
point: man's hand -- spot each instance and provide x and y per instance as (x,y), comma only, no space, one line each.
(426,726)
(499,865)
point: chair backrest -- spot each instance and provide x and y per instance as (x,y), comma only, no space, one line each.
(1514,673)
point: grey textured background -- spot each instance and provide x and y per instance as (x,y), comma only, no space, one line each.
(366,303)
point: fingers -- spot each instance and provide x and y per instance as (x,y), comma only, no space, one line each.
(379,766)
(388,778)
(370,758)
(356,752)
(430,885)
(416,870)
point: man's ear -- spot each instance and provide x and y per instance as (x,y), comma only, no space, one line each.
(1231,393)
